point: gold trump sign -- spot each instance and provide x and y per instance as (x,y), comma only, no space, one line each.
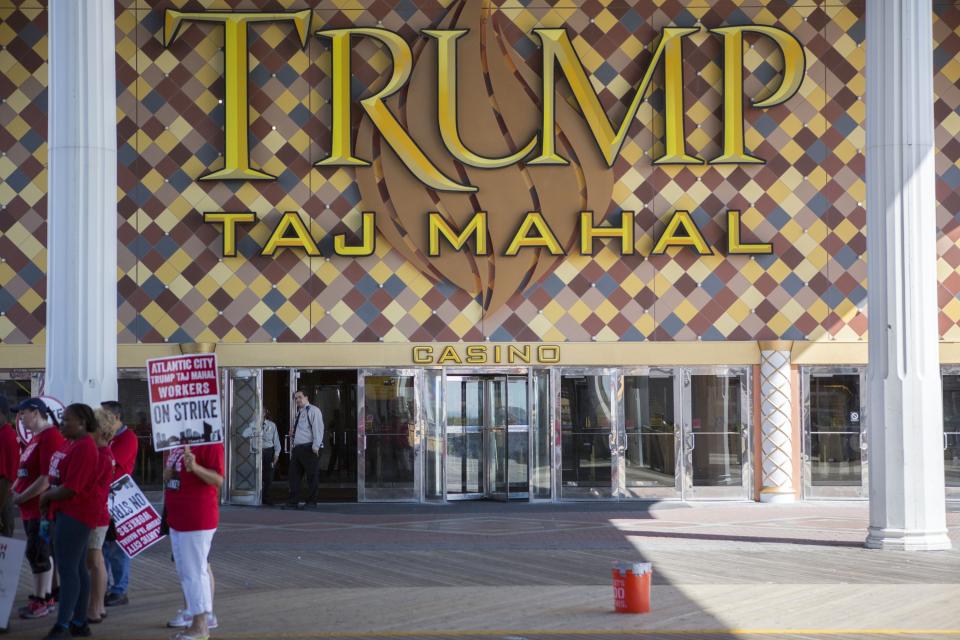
(541,149)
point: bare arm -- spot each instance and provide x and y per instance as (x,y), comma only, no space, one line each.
(190,464)
(41,484)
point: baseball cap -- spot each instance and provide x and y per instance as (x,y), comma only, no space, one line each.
(33,403)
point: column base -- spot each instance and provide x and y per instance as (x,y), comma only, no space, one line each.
(907,540)
(777,496)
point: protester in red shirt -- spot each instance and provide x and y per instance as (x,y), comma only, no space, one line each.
(124,446)
(107,425)
(73,500)
(31,481)
(9,462)
(192,480)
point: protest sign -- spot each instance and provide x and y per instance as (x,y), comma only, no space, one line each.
(11,557)
(24,434)
(136,521)
(184,401)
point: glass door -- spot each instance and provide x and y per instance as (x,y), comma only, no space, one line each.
(389,431)
(541,436)
(334,392)
(517,446)
(487,436)
(834,442)
(716,434)
(465,473)
(242,395)
(650,433)
(951,433)
(588,436)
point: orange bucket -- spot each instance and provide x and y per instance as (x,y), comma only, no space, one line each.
(631,587)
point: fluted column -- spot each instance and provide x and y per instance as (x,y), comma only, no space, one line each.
(776,423)
(81,340)
(907,508)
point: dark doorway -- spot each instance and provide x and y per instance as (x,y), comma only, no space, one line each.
(334,392)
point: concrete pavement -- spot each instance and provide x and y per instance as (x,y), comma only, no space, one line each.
(491,570)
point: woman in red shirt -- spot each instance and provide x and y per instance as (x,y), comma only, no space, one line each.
(31,482)
(107,425)
(192,481)
(73,501)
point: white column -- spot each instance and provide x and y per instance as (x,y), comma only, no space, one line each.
(907,509)
(776,423)
(81,341)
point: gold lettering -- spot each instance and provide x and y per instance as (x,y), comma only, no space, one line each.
(794,65)
(290,221)
(447,105)
(449,354)
(546,238)
(734,246)
(476,354)
(496,354)
(341,153)
(515,354)
(236,157)
(422,355)
(548,354)
(588,232)
(369,243)
(229,221)
(476,226)
(691,238)
(557,49)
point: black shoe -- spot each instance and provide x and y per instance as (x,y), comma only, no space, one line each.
(58,633)
(80,630)
(115,599)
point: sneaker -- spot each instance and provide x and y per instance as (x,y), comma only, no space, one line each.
(115,599)
(183,620)
(58,633)
(180,621)
(22,610)
(37,608)
(80,630)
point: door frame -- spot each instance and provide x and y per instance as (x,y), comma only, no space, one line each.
(417,494)
(612,375)
(228,375)
(482,372)
(651,493)
(952,493)
(688,438)
(838,492)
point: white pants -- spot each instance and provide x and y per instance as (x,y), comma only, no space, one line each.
(190,551)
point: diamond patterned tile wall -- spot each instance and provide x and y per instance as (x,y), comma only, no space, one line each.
(175,285)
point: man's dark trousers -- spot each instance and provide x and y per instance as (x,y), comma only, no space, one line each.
(303,460)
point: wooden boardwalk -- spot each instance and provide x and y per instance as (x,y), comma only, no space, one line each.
(735,570)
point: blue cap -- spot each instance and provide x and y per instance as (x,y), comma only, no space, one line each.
(33,403)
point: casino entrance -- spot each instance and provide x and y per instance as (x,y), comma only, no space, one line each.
(447,434)
(487,437)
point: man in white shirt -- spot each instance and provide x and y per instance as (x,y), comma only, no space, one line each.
(266,440)
(306,440)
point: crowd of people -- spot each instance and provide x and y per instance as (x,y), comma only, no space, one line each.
(60,483)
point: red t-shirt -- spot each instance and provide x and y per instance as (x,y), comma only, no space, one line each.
(75,467)
(105,470)
(9,453)
(35,462)
(192,504)
(124,448)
